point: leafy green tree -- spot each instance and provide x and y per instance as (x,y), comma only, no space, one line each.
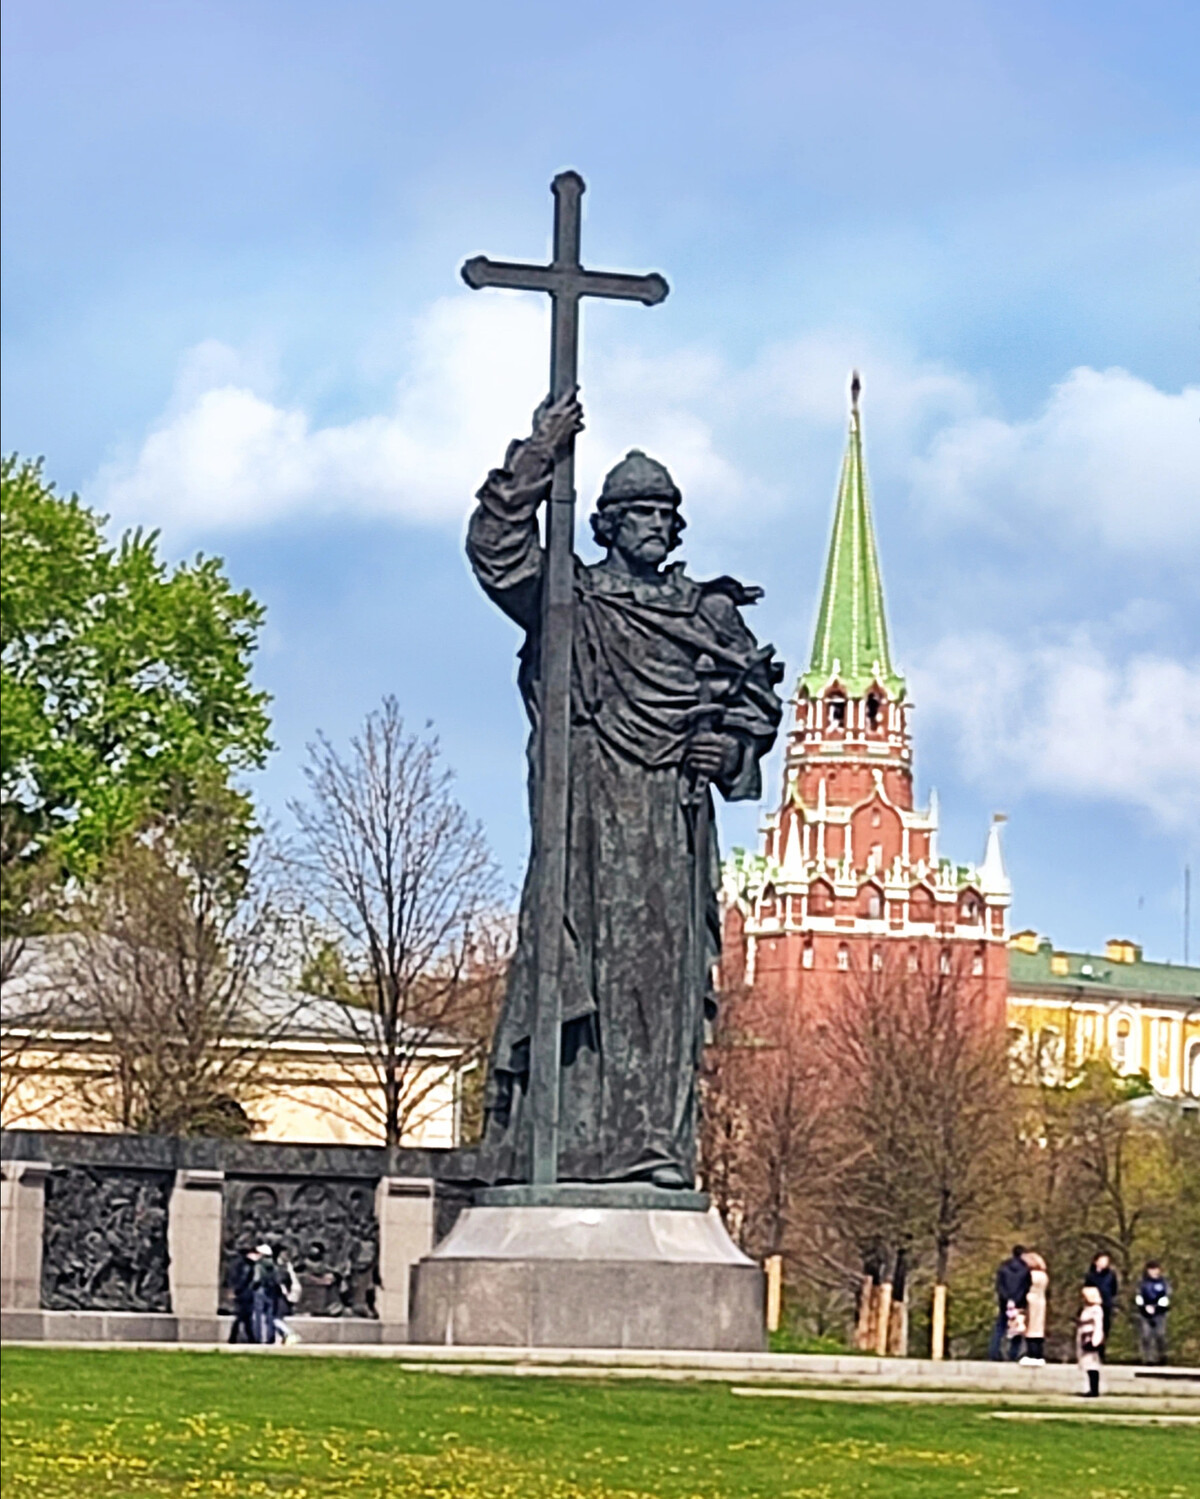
(125,684)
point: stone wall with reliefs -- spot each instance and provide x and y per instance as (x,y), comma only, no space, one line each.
(104,1240)
(131,1237)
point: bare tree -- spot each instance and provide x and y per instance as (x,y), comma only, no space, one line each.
(173,960)
(769,1157)
(405,882)
(926,1110)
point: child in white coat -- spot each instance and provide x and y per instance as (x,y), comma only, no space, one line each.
(1089,1338)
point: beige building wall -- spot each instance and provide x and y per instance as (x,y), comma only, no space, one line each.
(302,1094)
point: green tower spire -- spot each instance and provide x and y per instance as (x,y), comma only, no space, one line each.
(851,641)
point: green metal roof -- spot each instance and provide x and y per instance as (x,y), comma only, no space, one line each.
(1170,980)
(851,641)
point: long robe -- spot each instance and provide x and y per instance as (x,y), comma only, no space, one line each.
(636,956)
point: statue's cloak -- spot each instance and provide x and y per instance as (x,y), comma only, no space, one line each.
(633,999)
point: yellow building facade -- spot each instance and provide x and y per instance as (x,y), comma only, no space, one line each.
(309,1073)
(1066,1008)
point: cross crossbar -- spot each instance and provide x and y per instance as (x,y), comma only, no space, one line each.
(566,282)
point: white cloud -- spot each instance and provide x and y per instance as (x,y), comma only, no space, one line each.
(1067,717)
(1109,452)
(225,455)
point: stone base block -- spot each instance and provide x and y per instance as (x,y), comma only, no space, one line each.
(542,1277)
(90,1327)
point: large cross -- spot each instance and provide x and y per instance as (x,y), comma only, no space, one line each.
(567,282)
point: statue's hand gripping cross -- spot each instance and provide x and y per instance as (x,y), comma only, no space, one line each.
(566,281)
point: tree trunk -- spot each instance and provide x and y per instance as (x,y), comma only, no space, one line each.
(863,1339)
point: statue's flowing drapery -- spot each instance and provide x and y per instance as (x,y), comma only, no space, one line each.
(633,998)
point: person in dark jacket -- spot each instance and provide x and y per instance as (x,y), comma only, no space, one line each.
(1104,1278)
(1153,1299)
(266,1294)
(1013,1280)
(241,1283)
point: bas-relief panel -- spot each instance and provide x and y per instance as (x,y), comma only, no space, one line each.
(329,1229)
(104,1240)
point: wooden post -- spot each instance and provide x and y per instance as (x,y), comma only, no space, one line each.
(774,1269)
(937,1343)
(883,1320)
(898,1328)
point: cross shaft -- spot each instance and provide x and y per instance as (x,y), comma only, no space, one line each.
(566,282)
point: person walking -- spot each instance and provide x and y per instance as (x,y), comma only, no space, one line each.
(1102,1277)
(241,1283)
(287,1296)
(1089,1338)
(1035,1309)
(1012,1294)
(266,1290)
(1153,1300)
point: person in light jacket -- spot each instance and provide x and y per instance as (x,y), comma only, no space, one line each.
(288,1291)
(1089,1338)
(1035,1309)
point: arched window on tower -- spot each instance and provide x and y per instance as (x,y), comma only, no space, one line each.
(806,955)
(877,960)
(843,958)
(977,963)
(912,960)
(837,712)
(944,961)
(874,712)
(820,899)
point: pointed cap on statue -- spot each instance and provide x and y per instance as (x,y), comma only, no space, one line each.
(637,477)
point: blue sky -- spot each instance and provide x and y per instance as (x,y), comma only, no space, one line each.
(232,311)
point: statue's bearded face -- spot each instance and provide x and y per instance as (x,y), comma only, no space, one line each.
(644,532)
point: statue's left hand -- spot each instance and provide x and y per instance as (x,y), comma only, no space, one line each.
(711,755)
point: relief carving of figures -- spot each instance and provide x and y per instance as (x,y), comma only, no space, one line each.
(329,1229)
(105,1240)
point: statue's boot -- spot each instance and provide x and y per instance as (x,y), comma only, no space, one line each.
(669,1176)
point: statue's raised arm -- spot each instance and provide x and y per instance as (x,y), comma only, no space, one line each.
(503,542)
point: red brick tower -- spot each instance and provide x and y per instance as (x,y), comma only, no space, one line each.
(850,876)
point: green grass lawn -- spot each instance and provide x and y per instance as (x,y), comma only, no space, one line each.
(86,1423)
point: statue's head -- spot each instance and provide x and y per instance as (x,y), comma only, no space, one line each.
(637,513)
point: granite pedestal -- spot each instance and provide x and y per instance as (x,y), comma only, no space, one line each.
(584,1273)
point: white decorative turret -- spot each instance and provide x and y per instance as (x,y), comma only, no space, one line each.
(993,877)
